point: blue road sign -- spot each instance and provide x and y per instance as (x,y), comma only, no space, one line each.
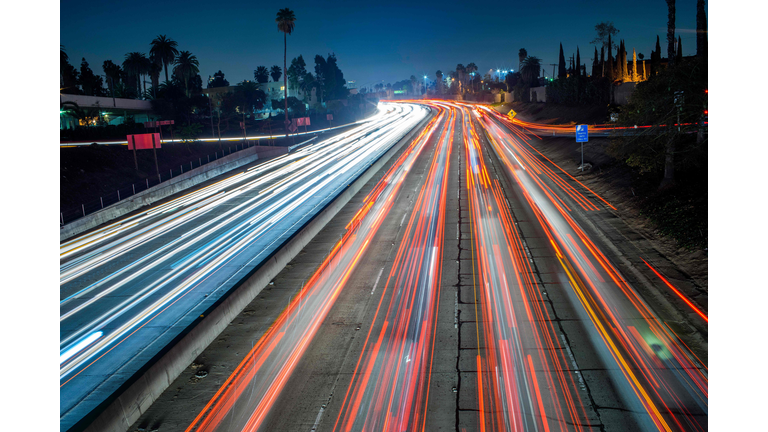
(582,133)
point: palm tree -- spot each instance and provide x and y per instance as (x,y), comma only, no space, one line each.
(530,69)
(261,74)
(471,69)
(275,72)
(135,65)
(186,67)
(286,21)
(521,55)
(164,50)
(439,83)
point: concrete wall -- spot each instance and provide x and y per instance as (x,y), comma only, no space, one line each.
(128,407)
(168,188)
(538,94)
(84,101)
(622,92)
(509,96)
(497,98)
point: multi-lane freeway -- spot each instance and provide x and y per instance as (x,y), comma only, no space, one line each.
(128,289)
(465,291)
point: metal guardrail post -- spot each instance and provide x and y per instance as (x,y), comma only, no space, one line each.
(83,206)
(102,201)
(118,195)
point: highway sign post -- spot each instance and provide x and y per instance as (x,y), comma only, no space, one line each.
(582,136)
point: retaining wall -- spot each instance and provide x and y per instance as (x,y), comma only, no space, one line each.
(169,187)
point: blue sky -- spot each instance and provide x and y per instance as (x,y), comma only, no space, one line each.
(382,41)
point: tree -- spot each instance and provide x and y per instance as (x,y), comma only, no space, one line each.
(68,74)
(670,33)
(634,66)
(286,22)
(595,65)
(414,83)
(261,75)
(297,71)
(90,83)
(320,69)
(701,29)
(561,71)
(679,57)
(112,71)
(439,83)
(275,72)
(604,31)
(218,80)
(663,147)
(186,67)
(521,55)
(530,70)
(164,50)
(135,66)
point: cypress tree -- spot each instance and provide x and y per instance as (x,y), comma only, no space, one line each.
(561,72)
(701,29)
(634,65)
(679,57)
(609,68)
(594,65)
(602,62)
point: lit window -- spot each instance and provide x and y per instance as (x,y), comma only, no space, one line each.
(282,88)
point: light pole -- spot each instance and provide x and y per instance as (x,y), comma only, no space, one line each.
(425,86)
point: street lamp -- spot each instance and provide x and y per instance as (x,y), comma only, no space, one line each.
(425,85)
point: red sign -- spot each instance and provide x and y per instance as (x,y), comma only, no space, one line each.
(306,121)
(329,117)
(150,124)
(300,121)
(143,141)
(166,122)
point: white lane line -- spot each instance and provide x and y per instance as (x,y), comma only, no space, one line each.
(403,219)
(377,280)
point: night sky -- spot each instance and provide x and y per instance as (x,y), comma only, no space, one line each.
(382,41)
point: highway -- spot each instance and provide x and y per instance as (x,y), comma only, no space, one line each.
(521,319)
(128,289)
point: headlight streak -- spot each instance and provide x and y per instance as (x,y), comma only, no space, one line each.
(268,365)
(214,247)
(666,380)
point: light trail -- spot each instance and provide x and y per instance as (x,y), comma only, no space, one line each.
(656,373)
(245,399)
(524,381)
(389,390)
(168,264)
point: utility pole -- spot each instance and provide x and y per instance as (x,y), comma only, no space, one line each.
(553,70)
(154,150)
(210,110)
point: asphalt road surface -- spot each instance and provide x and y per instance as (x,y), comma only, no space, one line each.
(461,291)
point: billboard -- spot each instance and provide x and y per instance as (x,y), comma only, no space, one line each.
(143,141)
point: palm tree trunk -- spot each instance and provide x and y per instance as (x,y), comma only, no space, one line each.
(166,71)
(285,80)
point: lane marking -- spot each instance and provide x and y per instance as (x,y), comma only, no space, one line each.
(377,280)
